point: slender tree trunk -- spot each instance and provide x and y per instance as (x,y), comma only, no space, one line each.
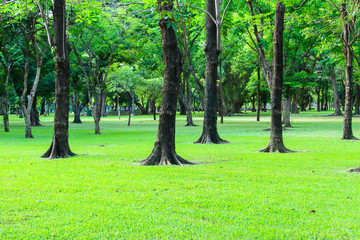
(210,133)
(258,97)
(276,139)
(42,108)
(5,100)
(349,85)
(59,147)
(103,104)
(129,121)
(154,108)
(337,111)
(286,110)
(96,108)
(164,152)
(357,101)
(118,106)
(294,105)
(34,114)
(5,112)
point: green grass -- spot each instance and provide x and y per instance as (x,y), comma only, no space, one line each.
(234,192)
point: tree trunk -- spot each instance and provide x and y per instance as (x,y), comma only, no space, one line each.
(357,101)
(337,111)
(164,152)
(5,111)
(294,105)
(5,100)
(258,97)
(349,88)
(286,110)
(182,106)
(154,108)
(129,121)
(96,109)
(103,104)
(59,147)
(34,114)
(210,133)
(42,109)
(276,139)
(118,106)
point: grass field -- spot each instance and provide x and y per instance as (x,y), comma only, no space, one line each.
(234,192)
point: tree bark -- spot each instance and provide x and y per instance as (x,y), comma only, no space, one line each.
(210,133)
(276,139)
(349,88)
(294,104)
(118,107)
(5,100)
(286,110)
(34,114)
(357,101)
(337,111)
(258,97)
(164,152)
(59,147)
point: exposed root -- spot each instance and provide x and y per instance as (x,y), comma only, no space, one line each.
(350,138)
(283,128)
(277,149)
(191,125)
(157,157)
(354,170)
(207,139)
(335,114)
(57,151)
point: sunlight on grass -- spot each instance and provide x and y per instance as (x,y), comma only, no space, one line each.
(102,193)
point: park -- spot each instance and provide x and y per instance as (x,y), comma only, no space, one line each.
(162,119)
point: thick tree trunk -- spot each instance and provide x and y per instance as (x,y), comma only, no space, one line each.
(276,139)
(210,133)
(337,111)
(349,85)
(59,147)
(164,152)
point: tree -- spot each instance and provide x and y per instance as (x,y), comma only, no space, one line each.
(164,152)
(276,139)
(59,147)
(212,51)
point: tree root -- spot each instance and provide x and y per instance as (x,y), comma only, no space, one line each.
(206,139)
(283,128)
(57,151)
(277,149)
(355,170)
(191,125)
(335,115)
(157,157)
(350,138)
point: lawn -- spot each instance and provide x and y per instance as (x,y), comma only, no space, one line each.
(233,192)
